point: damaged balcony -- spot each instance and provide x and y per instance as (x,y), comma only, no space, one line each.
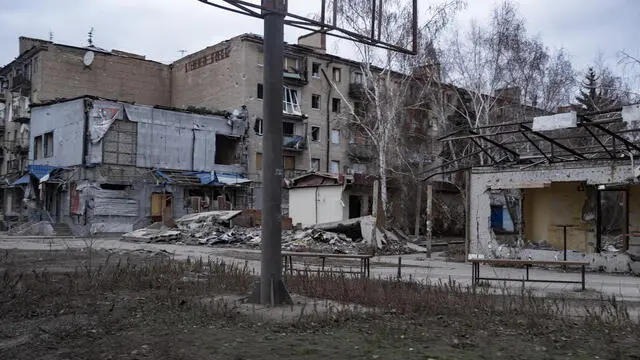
(21,84)
(357,91)
(294,143)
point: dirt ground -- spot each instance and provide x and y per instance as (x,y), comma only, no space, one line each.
(100,305)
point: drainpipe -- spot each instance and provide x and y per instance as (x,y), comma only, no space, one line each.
(328,154)
(85,130)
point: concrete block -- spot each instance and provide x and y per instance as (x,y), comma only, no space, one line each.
(126,159)
(110,158)
(126,138)
(126,148)
(110,146)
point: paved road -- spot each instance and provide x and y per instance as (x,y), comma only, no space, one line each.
(624,287)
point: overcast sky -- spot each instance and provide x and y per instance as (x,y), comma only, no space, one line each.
(160,28)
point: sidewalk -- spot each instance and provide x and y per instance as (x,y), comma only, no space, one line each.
(414,266)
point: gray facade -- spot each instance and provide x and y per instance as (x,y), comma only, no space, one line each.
(107,166)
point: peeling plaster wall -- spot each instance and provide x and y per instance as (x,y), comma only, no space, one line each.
(559,204)
(482,240)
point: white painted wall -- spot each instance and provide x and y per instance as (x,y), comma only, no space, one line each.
(317,205)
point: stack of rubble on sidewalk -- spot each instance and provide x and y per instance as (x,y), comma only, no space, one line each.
(216,228)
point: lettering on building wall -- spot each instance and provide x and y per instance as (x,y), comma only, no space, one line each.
(208,59)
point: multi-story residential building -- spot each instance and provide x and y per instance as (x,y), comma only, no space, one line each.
(231,72)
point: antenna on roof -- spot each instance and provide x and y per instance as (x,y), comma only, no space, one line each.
(182,52)
(51,36)
(90,39)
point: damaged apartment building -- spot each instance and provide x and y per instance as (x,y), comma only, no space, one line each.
(560,187)
(225,76)
(108,166)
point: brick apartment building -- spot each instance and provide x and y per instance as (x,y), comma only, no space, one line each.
(224,76)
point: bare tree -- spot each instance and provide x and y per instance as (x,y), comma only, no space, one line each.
(387,77)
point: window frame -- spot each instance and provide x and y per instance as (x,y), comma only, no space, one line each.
(334,108)
(315,160)
(291,97)
(336,74)
(337,164)
(260,91)
(47,139)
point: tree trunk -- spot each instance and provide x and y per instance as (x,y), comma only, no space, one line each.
(383,182)
(429,228)
(416,229)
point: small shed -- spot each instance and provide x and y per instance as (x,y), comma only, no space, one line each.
(318,198)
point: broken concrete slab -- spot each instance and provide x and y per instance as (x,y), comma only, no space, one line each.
(221,216)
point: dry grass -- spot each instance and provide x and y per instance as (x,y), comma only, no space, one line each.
(133,307)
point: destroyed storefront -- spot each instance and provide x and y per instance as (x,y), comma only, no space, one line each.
(570,186)
(126,166)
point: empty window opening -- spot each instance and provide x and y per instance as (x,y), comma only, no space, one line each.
(48,144)
(315,70)
(335,105)
(337,74)
(114,187)
(315,164)
(258,126)
(226,149)
(315,101)
(260,91)
(37,148)
(287,128)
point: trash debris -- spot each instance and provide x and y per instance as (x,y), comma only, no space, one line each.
(216,228)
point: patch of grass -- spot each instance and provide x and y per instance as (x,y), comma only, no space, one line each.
(131,307)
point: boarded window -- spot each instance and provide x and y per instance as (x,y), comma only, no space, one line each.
(315,133)
(334,168)
(258,161)
(289,162)
(335,136)
(120,143)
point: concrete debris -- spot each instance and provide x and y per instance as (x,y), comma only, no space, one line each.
(216,229)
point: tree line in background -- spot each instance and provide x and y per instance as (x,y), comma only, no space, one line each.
(469,78)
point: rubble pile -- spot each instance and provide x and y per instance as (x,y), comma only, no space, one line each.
(216,228)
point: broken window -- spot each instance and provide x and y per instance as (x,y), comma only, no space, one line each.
(37,148)
(113,187)
(289,162)
(291,103)
(226,149)
(315,101)
(337,74)
(315,70)
(335,105)
(357,77)
(260,92)
(315,133)
(258,161)
(48,144)
(258,126)
(335,136)
(315,164)
(287,128)
(291,64)
(334,168)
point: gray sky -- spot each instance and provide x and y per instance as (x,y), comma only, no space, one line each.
(159,28)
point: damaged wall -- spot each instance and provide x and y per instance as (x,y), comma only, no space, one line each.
(482,239)
(559,204)
(66,121)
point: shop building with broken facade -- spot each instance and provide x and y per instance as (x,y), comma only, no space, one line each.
(560,187)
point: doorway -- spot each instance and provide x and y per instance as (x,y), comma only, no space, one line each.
(161,209)
(612,222)
(354,206)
